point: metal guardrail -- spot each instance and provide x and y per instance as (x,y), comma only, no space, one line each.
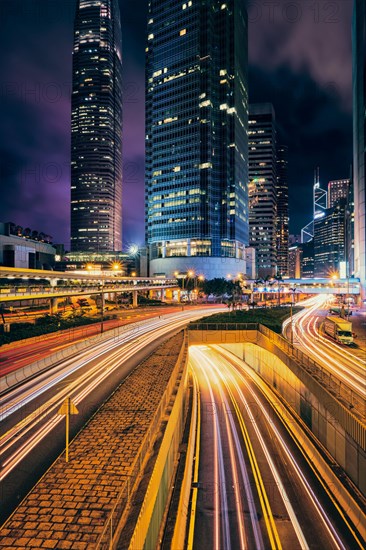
(317,371)
(223,326)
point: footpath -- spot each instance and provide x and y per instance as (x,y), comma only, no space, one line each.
(74,503)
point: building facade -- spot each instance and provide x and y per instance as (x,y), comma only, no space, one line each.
(294,261)
(262,187)
(307,259)
(24,248)
(329,241)
(96,126)
(359,138)
(282,224)
(337,189)
(196,137)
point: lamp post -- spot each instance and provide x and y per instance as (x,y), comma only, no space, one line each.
(293,290)
(102,308)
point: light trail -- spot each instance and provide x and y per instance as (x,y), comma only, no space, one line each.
(346,367)
(220,510)
(40,423)
(232,432)
(242,368)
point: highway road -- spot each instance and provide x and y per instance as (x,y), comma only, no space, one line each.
(18,354)
(254,488)
(32,433)
(339,360)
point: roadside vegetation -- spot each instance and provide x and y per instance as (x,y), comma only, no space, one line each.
(43,325)
(269,317)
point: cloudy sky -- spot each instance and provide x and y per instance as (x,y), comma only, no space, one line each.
(300,59)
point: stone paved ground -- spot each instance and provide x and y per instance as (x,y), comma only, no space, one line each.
(70,505)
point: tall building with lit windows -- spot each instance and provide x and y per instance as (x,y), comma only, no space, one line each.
(262,187)
(96,139)
(196,137)
(359,139)
(282,224)
(337,189)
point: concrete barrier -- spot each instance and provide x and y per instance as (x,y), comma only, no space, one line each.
(16,377)
(148,525)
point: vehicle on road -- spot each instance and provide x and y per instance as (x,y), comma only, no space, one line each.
(340,311)
(339,329)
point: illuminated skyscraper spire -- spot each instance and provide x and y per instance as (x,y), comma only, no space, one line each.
(320,196)
(96,140)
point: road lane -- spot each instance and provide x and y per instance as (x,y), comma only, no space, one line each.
(291,510)
(339,360)
(18,354)
(29,419)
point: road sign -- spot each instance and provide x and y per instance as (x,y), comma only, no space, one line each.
(67,408)
(7,327)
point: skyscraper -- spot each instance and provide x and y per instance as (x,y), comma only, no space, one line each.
(359,138)
(262,187)
(320,197)
(96,139)
(329,240)
(282,229)
(196,136)
(337,189)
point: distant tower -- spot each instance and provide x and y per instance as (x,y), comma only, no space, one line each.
(262,187)
(359,138)
(282,210)
(96,139)
(320,197)
(337,189)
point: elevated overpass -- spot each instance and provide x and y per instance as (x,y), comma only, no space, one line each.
(349,286)
(30,284)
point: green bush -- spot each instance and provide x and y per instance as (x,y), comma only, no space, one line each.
(43,325)
(271,318)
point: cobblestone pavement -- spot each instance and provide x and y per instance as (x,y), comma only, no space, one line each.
(70,505)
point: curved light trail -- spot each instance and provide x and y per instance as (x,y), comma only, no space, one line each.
(349,369)
(90,369)
(248,454)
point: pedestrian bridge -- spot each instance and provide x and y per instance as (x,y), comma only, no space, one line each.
(308,286)
(29,284)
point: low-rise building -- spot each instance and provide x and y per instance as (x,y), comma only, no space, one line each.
(25,248)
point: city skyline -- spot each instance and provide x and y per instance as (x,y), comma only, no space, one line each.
(41,180)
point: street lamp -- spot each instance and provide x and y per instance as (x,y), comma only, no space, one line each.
(293,290)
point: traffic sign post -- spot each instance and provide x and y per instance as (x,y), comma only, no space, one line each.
(67,408)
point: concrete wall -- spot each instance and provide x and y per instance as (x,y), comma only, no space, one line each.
(148,526)
(308,389)
(318,415)
(20,250)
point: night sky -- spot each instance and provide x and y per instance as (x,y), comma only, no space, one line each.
(300,59)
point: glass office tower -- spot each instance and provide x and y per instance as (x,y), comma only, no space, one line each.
(359,138)
(96,139)
(196,137)
(262,187)
(282,210)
